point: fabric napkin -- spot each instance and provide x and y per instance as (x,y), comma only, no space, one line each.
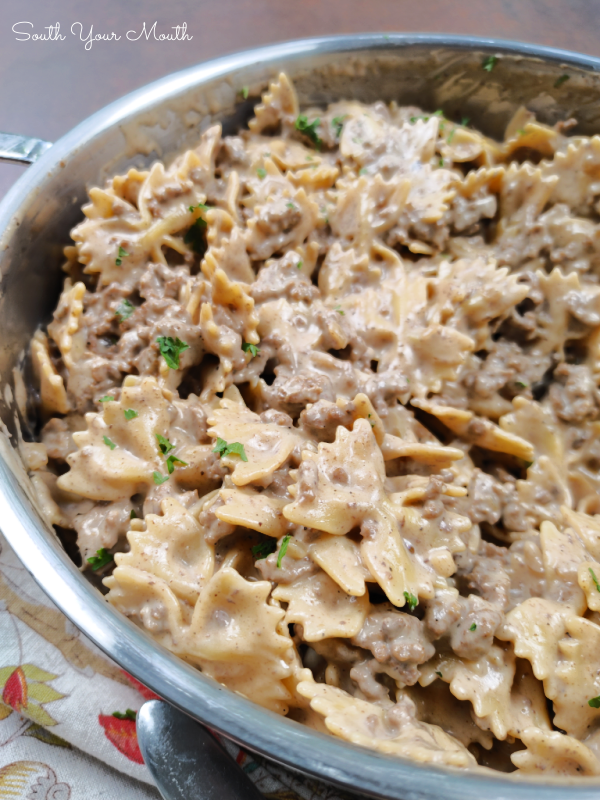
(59,736)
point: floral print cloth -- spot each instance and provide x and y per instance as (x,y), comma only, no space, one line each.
(67,727)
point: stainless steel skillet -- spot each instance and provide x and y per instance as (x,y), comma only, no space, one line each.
(158,121)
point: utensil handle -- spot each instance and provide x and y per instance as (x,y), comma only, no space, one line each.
(15,149)
(186,760)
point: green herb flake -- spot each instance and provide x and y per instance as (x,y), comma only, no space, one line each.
(195,236)
(158,478)
(521,384)
(283,549)
(120,256)
(559,81)
(439,674)
(451,136)
(172,460)
(299,265)
(438,113)
(441,162)
(362,171)
(124,310)
(106,399)
(264,549)
(233,449)
(594,702)
(101,559)
(129,714)
(465,121)
(411,600)
(521,131)
(109,443)
(171,349)
(261,172)
(164,444)
(290,205)
(130,414)
(473,627)
(250,348)
(489,63)
(245,92)
(528,464)
(337,123)
(133,515)
(309,129)
(595,579)
(339,310)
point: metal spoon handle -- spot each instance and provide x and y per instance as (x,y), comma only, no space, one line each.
(185,760)
(15,149)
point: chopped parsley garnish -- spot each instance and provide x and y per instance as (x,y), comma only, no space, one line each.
(521,384)
(199,207)
(528,464)
(559,81)
(283,548)
(130,414)
(164,444)
(339,310)
(521,131)
(473,627)
(489,63)
(171,349)
(291,205)
(594,702)
(438,113)
(465,121)
(411,600)
(158,478)
(109,443)
(309,129)
(261,172)
(439,673)
(337,123)
(129,714)
(250,348)
(124,310)
(299,265)
(451,136)
(441,162)
(595,579)
(171,461)
(106,399)
(133,515)
(362,171)
(120,256)
(264,549)
(245,92)
(195,234)
(233,449)
(101,559)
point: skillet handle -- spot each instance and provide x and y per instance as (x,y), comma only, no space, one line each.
(15,149)
(185,760)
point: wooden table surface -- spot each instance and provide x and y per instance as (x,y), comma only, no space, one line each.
(46,87)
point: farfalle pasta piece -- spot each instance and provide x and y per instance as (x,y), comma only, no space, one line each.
(278,104)
(116,456)
(258,511)
(340,558)
(588,577)
(53,394)
(66,321)
(563,553)
(150,603)
(323,609)
(394,730)
(550,753)
(267,445)
(330,498)
(575,680)
(234,636)
(478,430)
(173,548)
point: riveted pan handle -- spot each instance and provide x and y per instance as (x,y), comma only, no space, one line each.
(15,149)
